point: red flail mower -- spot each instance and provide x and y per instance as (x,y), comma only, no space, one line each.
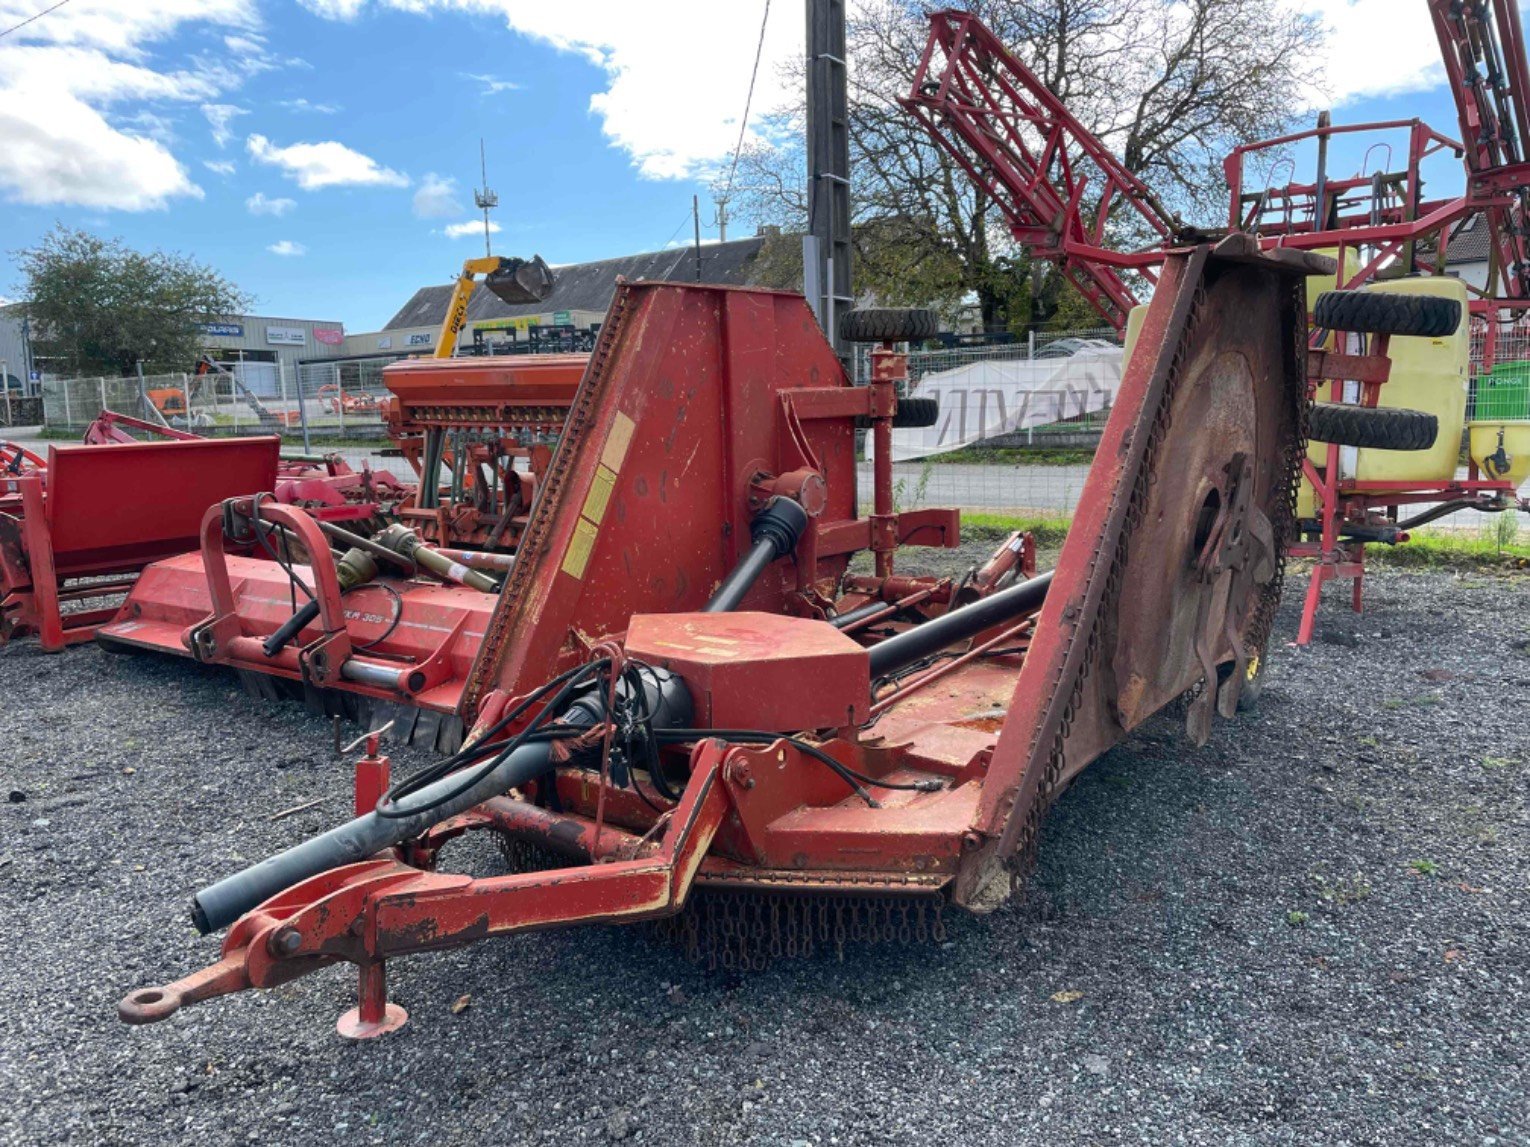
(686,706)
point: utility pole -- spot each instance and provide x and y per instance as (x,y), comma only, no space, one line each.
(826,249)
(722,219)
(696,221)
(483,198)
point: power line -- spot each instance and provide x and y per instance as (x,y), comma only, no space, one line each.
(748,100)
(686,219)
(44,12)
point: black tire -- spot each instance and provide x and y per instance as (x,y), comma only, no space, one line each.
(1385,428)
(888,324)
(1380,313)
(912,414)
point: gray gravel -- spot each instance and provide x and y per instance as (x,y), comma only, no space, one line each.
(1256,955)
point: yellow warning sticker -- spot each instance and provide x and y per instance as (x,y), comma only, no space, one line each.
(578,556)
(617,442)
(599,497)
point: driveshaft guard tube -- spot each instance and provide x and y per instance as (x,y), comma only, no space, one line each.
(220,904)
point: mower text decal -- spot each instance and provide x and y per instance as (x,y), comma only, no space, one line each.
(598,500)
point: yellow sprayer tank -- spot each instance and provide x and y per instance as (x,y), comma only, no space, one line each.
(1317,285)
(1430,375)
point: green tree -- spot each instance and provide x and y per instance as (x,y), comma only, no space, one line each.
(1172,85)
(98,307)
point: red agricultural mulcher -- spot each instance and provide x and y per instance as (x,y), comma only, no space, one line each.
(686,706)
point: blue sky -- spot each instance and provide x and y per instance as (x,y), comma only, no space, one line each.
(319,151)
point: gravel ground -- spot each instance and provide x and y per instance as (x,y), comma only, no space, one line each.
(1313,930)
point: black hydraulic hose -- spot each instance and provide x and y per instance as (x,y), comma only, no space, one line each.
(220,904)
(934,635)
(290,628)
(859,614)
(775,532)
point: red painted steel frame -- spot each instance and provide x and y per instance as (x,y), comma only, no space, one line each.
(111,510)
(422,634)
(512,408)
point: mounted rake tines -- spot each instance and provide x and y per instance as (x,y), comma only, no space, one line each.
(811,784)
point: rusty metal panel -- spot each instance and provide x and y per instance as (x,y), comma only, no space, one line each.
(1190,503)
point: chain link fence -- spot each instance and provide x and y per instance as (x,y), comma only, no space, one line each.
(1500,372)
(318,404)
(999,466)
(1019,423)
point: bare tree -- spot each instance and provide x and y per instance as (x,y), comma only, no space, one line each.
(1171,85)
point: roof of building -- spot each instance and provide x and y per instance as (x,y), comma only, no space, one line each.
(589,286)
(1470,242)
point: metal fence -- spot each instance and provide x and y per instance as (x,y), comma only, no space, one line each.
(1035,473)
(1500,370)
(317,404)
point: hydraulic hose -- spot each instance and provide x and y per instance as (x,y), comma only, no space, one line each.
(775,532)
(934,635)
(859,614)
(220,904)
(354,569)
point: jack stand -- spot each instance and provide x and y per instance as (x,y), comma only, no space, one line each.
(374,1016)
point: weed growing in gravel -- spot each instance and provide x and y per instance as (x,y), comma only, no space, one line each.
(1344,891)
(1424,867)
(1296,919)
(1498,762)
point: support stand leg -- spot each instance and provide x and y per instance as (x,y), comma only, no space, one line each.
(1310,606)
(374,1015)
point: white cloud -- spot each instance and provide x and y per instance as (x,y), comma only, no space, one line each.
(471,227)
(644,108)
(1373,49)
(492,85)
(123,27)
(220,166)
(258,204)
(287,248)
(325,164)
(437,197)
(63,151)
(219,117)
(303,105)
(82,90)
(245,45)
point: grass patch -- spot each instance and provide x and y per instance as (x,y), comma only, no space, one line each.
(1016,456)
(1047,531)
(1494,546)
